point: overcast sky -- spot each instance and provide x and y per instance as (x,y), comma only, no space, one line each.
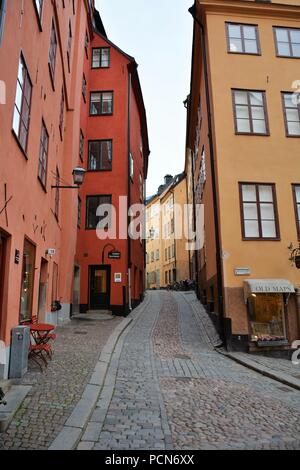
(158,33)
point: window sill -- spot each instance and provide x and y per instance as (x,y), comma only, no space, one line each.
(292,136)
(100,115)
(259,54)
(277,239)
(19,145)
(286,57)
(253,134)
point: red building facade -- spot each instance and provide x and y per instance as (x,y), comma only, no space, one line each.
(46,80)
(115,155)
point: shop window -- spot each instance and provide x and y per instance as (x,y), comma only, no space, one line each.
(27,282)
(266,313)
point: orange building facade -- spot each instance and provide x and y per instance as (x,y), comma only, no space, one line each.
(242,164)
(46,81)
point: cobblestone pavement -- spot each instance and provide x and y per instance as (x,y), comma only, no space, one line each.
(172,390)
(55,392)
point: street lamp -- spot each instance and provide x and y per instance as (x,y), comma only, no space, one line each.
(78,177)
(295,255)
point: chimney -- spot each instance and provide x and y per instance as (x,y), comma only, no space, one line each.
(168,179)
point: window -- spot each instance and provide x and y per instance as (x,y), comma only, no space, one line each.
(92,204)
(84,87)
(250,112)
(166,277)
(62,112)
(166,254)
(266,315)
(296,191)
(22,106)
(86,43)
(172,226)
(69,49)
(291,105)
(43,157)
(157,255)
(287,42)
(57,198)
(101,57)
(73,4)
(101,103)
(131,166)
(100,155)
(152,256)
(28,271)
(147,258)
(259,212)
(81,145)
(169,252)
(2,16)
(79,212)
(39,8)
(52,51)
(242,38)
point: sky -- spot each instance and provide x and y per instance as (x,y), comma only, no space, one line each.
(158,34)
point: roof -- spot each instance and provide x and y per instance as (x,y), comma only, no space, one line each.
(165,188)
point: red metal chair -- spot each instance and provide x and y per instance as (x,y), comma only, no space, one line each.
(36,354)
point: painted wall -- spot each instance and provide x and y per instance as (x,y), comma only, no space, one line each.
(30,210)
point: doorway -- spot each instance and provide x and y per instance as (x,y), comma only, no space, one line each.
(43,290)
(76,291)
(3,278)
(99,287)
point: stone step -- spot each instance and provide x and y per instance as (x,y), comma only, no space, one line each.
(14,398)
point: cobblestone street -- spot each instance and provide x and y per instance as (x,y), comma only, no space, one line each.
(172,390)
(166,387)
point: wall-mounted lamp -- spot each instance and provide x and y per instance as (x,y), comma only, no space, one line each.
(78,177)
(295,255)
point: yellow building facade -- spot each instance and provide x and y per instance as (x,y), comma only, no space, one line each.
(167,257)
(243,147)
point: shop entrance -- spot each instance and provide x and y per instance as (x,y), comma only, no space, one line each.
(99,287)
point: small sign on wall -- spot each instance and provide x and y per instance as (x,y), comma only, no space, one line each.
(242,271)
(118,277)
(17,256)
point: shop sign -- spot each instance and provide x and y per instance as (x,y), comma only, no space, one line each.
(114,255)
(242,271)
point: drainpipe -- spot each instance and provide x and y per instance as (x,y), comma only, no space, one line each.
(298,308)
(129,189)
(192,10)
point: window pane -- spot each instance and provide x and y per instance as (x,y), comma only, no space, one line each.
(283,49)
(256,98)
(282,35)
(106,103)
(294,128)
(258,112)
(105,53)
(259,127)
(292,115)
(267,211)
(288,100)
(295,36)
(251,46)
(18,100)
(249,32)
(296,50)
(21,72)
(243,125)
(236,45)
(16,121)
(268,229)
(106,155)
(94,155)
(265,193)
(249,192)
(242,112)
(240,97)
(234,31)
(251,228)
(96,58)
(250,211)
(297,192)
(95,107)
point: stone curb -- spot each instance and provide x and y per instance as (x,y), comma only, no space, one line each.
(74,427)
(279,377)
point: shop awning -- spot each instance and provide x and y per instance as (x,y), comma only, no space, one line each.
(267,286)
